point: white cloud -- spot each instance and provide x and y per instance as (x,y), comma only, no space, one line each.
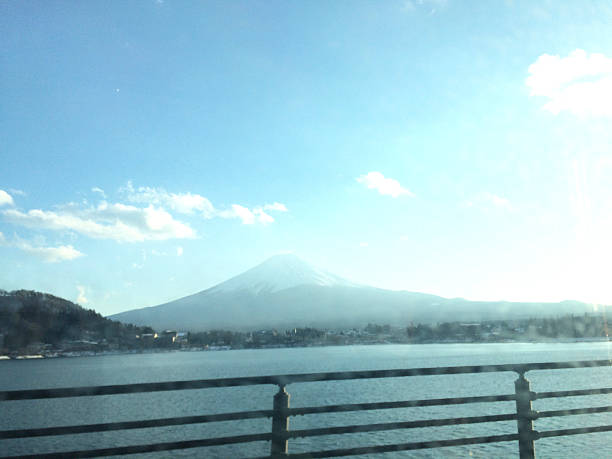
(5,199)
(250,216)
(276,206)
(179,251)
(241,212)
(580,83)
(81,299)
(130,223)
(262,216)
(100,191)
(47,254)
(184,203)
(386,186)
(118,222)
(188,203)
(51,254)
(363,244)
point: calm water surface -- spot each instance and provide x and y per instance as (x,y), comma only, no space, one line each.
(133,368)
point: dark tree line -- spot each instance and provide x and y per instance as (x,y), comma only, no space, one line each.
(563,327)
(236,339)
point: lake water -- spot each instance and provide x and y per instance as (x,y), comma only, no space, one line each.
(134,368)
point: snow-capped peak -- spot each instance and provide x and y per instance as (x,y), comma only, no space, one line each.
(278,273)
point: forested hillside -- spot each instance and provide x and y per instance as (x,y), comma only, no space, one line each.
(28,317)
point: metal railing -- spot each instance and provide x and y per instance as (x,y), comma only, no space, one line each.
(281,412)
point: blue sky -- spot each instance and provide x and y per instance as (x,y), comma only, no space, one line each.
(151,149)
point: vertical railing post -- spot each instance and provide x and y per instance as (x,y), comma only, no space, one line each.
(524,417)
(280,423)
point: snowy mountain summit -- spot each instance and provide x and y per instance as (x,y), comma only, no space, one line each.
(278,273)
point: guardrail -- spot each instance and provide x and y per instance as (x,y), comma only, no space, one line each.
(281,412)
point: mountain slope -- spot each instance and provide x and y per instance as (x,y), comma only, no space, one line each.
(284,291)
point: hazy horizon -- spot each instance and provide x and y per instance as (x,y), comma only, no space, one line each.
(241,274)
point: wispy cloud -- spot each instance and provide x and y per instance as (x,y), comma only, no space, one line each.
(39,250)
(81,298)
(488,199)
(143,260)
(118,222)
(50,254)
(6,199)
(184,203)
(188,203)
(241,212)
(134,222)
(247,215)
(179,251)
(408,5)
(386,186)
(100,191)
(256,215)
(432,6)
(580,83)
(276,206)
(262,217)
(494,199)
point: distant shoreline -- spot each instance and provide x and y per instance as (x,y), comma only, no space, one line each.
(55,355)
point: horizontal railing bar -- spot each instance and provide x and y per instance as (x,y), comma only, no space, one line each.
(572,393)
(576,431)
(177,421)
(152,423)
(404,446)
(283,380)
(131,388)
(398,425)
(550,414)
(292,434)
(119,450)
(400,404)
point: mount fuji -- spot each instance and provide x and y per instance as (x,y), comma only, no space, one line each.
(279,273)
(285,291)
